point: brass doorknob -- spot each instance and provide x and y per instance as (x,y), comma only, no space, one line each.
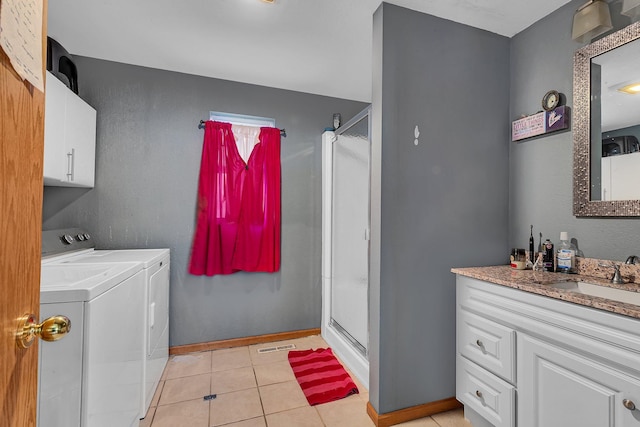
(52,329)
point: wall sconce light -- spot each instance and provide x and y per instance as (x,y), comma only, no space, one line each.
(631,8)
(590,20)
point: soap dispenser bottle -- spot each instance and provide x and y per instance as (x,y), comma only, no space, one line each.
(565,255)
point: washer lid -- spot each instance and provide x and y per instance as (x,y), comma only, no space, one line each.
(81,282)
(147,257)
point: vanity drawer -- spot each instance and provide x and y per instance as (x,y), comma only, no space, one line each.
(492,398)
(487,343)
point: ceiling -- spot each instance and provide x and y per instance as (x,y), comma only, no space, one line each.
(316,46)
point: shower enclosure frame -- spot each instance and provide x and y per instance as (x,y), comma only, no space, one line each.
(342,346)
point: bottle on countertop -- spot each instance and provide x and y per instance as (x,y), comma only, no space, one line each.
(549,256)
(565,255)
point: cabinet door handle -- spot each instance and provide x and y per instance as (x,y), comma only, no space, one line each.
(629,404)
(71,163)
(479,343)
(479,394)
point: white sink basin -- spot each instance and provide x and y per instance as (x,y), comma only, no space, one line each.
(594,290)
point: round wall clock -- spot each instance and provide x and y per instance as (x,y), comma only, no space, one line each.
(550,100)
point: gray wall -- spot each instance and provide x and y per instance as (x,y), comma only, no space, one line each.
(147,163)
(541,180)
(437,205)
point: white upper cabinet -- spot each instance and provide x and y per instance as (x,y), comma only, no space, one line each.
(620,175)
(69,137)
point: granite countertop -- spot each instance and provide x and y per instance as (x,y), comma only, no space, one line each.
(589,270)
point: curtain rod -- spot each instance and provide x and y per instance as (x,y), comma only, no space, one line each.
(283,132)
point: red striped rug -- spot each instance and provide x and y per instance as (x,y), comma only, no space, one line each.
(320,375)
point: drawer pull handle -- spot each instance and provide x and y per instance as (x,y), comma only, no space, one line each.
(479,343)
(479,394)
(629,404)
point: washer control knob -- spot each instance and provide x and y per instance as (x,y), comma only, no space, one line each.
(67,239)
(80,237)
(86,236)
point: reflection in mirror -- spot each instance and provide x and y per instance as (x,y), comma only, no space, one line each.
(606,126)
(615,124)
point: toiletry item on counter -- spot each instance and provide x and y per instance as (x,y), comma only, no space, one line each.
(565,255)
(549,256)
(539,264)
(528,263)
(518,259)
(531,245)
(540,247)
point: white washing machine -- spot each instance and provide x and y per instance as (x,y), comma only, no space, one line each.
(155,269)
(91,377)
(155,343)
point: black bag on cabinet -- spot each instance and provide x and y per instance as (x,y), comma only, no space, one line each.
(619,145)
(60,64)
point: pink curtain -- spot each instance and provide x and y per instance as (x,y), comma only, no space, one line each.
(238,218)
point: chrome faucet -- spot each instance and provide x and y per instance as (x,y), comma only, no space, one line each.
(633,259)
(617,277)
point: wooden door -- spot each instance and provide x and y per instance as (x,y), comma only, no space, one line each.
(21,153)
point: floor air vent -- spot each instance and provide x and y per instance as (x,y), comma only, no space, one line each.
(286,347)
(278,348)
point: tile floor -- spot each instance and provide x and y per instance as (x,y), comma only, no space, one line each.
(256,390)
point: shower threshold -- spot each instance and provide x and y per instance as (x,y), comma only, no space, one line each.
(354,342)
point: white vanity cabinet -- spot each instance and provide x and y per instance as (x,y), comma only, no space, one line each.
(69,137)
(527,360)
(561,388)
(485,368)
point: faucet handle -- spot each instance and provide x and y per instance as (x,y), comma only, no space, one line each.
(632,259)
(617,277)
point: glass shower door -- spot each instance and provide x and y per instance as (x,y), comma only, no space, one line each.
(350,233)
